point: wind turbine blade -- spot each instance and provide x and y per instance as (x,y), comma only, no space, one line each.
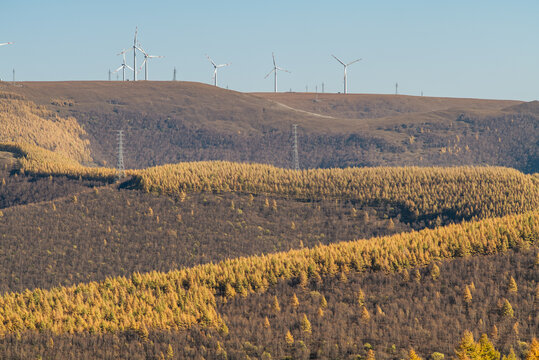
(144,62)
(8,43)
(129,67)
(269,73)
(339,60)
(211,61)
(355,61)
(223,65)
(155,56)
(123,52)
(273,56)
(120,68)
(142,51)
(278,68)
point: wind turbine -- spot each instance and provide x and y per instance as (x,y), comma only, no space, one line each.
(124,65)
(8,43)
(145,62)
(215,67)
(135,48)
(274,71)
(345,66)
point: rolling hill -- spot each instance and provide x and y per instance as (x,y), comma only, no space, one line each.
(168,122)
(240,257)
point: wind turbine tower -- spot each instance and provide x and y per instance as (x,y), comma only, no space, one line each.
(215,67)
(145,62)
(135,48)
(274,71)
(123,66)
(345,67)
(396,88)
(9,43)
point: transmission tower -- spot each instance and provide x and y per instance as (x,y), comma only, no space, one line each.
(296,157)
(120,166)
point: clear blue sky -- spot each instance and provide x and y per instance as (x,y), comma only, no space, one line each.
(483,49)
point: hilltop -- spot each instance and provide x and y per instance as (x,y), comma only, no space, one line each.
(169,122)
(373,106)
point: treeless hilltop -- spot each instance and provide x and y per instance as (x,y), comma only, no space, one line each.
(169,122)
(362,106)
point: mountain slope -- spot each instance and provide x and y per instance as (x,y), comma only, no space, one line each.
(25,122)
(168,122)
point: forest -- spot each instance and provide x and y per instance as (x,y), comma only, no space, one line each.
(182,298)
(410,232)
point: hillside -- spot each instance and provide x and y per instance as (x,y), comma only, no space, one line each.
(87,234)
(168,122)
(433,321)
(248,259)
(196,213)
(23,121)
(197,297)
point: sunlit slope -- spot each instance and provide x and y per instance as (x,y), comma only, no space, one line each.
(23,121)
(36,160)
(182,298)
(460,192)
(424,193)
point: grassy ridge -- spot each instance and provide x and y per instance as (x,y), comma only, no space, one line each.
(460,192)
(182,298)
